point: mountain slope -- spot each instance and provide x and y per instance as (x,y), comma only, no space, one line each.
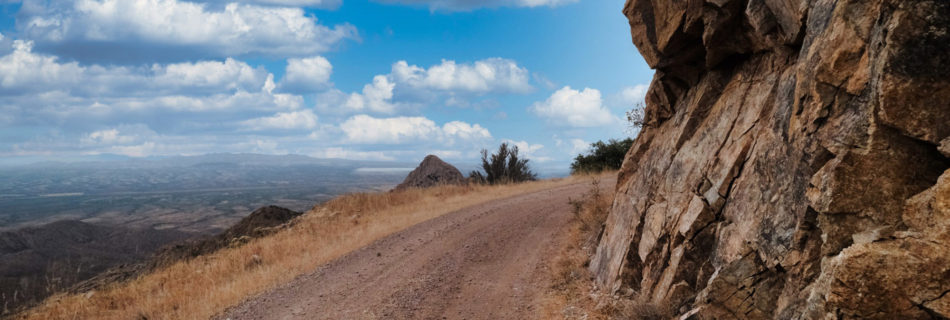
(38,261)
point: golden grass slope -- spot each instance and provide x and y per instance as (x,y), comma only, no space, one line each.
(205,286)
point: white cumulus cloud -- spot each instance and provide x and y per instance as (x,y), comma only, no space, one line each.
(400,130)
(130,25)
(630,96)
(489,75)
(465,131)
(39,89)
(304,119)
(376,97)
(579,146)
(285,3)
(307,74)
(575,108)
(455,5)
(408,86)
(23,71)
(524,147)
(216,76)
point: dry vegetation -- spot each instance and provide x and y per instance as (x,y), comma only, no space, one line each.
(570,296)
(205,286)
(573,295)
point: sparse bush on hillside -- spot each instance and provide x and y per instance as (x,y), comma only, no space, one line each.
(505,166)
(602,156)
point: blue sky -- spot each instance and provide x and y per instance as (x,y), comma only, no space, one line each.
(376,80)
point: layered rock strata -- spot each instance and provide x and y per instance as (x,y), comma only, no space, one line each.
(794,162)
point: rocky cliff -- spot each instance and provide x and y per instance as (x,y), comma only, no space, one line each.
(794,162)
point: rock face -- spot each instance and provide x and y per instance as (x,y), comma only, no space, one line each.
(794,162)
(432,172)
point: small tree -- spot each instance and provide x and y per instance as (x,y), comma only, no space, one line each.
(635,118)
(602,156)
(505,166)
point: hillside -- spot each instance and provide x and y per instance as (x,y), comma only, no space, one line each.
(210,283)
(790,166)
(36,262)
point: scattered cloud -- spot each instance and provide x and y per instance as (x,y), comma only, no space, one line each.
(631,96)
(376,97)
(342,153)
(170,77)
(464,5)
(401,130)
(108,137)
(366,129)
(304,119)
(24,72)
(575,108)
(528,150)
(329,4)
(306,75)
(33,83)
(495,75)
(408,86)
(544,81)
(465,131)
(579,146)
(117,30)
(207,76)
(524,147)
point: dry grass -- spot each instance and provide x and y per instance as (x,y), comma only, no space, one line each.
(205,286)
(570,295)
(573,294)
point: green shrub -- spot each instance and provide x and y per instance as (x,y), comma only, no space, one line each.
(505,166)
(602,156)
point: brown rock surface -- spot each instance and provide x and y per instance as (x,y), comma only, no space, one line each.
(794,164)
(432,172)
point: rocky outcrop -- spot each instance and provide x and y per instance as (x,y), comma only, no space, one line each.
(431,172)
(794,162)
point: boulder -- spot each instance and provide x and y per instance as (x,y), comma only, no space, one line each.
(794,162)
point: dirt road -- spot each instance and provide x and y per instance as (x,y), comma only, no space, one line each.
(483,262)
